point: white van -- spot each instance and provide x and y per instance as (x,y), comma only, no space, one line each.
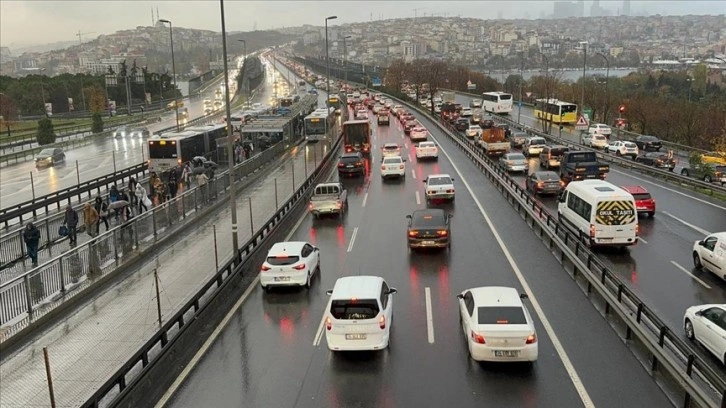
(601,213)
(358,316)
(710,253)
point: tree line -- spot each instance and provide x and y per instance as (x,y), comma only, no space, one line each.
(681,107)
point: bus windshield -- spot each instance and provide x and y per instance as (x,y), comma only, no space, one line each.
(315,126)
(162,150)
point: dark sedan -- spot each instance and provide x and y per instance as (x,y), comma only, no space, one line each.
(657,159)
(351,164)
(544,182)
(648,143)
(429,228)
(49,157)
(461,124)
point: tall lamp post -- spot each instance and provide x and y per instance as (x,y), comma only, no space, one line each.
(583,45)
(345,57)
(230,137)
(244,61)
(607,85)
(690,86)
(173,70)
(547,88)
(521,79)
(327,57)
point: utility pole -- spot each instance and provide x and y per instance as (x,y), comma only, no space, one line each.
(230,138)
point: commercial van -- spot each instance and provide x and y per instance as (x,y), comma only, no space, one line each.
(600,213)
(710,253)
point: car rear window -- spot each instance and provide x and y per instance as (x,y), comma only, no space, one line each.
(427,220)
(354,309)
(558,151)
(392,160)
(282,260)
(390,147)
(641,196)
(439,181)
(501,315)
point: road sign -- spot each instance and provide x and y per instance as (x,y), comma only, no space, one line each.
(581,123)
(528,94)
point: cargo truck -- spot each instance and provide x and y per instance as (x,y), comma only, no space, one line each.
(581,165)
(492,139)
(357,136)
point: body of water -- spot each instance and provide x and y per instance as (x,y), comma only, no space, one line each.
(565,75)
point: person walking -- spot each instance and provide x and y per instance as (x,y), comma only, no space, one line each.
(202,184)
(31,236)
(187,176)
(113,194)
(173,183)
(132,189)
(152,182)
(140,195)
(70,220)
(90,219)
(102,209)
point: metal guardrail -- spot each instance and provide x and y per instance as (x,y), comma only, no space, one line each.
(28,297)
(665,353)
(121,388)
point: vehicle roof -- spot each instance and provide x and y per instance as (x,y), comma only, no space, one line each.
(488,296)
(634,189)
(550,175)
(431,211)
(350,154)
(438,175)
(597,189)
(391,145)
(361,286)
(426,143)
(286,248)
(510,154)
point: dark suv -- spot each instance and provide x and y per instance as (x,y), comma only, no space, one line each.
(351,164)
(648,143)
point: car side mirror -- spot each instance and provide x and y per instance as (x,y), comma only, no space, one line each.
(329,292)
(452,179)
(316,249)
(404,160)
(523,296)
(450,216)
(391,291)
(701,243)
(460,296)
(426,180)
(408,216)
(698,313)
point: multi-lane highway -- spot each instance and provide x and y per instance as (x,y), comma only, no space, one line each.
(272,352)
(96,159)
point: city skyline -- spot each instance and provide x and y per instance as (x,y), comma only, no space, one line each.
(61,21)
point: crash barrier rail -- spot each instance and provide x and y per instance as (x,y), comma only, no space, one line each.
(27,298)
(131,385)
(661,351)
(622,134)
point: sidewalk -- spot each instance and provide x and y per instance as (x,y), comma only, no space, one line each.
(89,346)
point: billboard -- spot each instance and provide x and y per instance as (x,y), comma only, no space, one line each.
(376,82)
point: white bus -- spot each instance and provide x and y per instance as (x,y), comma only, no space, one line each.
(319,123)
(497,102)
(172,149)
(600,213)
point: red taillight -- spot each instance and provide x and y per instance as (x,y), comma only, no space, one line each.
(382,322)
(341,164)
(478,338)
(299,267)
(540,184)
(310,206)
(531,339)
(265,268)
(592,231)
(400,167)
(637,230)
(339,204)
(412,233)
(383,167)
(358,163)
(328,323)
(442,233)
(450,191)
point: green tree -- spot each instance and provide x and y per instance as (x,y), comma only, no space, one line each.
(97,124)
(46,134)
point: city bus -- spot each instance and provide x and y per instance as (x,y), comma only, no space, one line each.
(173,149)
(318,124)
(497,102)
(555,111)
(334,102)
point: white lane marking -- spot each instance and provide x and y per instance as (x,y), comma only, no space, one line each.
(429,316)
(669,189)
(409,157)
(319,333)
(217,331)
(687,272)
(695,227)
(571,372)
(413,173)
(365,198)
(405,145)
(352,239)
(418,199)
(402,136)
(640,239)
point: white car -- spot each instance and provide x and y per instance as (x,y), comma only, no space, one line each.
(439,187)
(361,114)
(497,326)
(474,131)
(533,146)
(707,325)
(427,150)
(291,263)
(595,141)
(437,108)
(393,167)
(390,150)
(359,313)
(475,103)
(419,133)
(622,148)
(710,253)
(599,129)
(466,113)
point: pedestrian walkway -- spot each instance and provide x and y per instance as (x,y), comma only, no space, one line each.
(87,347)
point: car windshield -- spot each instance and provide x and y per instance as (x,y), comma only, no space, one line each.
(641,196)
(46,152)
(599,137)
(427,219)
(536,142)
(426,144)
(439,181)
(390,147)
(629,145)
(392,160)
(516,156)
(501,315)
(649,138)
(548,176)
(354,309)
(282,260)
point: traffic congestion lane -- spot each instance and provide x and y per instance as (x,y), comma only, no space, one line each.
(263,353)
(94,160)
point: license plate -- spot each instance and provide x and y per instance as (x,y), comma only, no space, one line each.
(506,353)
(427,242)
(281,278)
(349,166)
(356,336)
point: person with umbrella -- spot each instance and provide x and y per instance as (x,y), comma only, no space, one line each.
(70,219)
(31,236)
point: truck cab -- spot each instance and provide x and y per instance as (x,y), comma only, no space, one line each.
(581,165)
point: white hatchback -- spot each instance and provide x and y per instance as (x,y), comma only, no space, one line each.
(359,313)
(390,150)
(393,167)
(291,263)
(707,325)
(419,133)
(439,187)
(425,150)
(497,326)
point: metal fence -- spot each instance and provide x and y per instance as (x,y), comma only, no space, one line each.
(661,351)
(26,297)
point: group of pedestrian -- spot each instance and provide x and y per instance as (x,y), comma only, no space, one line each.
(242,151)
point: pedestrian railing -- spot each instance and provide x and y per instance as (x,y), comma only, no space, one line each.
(29,296)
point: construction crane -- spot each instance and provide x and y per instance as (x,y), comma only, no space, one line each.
(415,11)
(79,34)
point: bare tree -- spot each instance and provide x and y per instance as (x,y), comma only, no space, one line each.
(436,73)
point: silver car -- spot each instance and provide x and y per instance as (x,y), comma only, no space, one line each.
(514,162)
(49,157)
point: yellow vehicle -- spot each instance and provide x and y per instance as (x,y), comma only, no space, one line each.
(555,111)
(718,158)
(175,104)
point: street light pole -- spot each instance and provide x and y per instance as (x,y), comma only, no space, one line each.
(230,137)
(345,57)
(173,70)
(607,85)
(521,79)
(547,92)
(244,62)
(583,44)
(327,57)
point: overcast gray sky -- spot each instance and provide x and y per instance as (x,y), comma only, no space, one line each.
(34,22)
